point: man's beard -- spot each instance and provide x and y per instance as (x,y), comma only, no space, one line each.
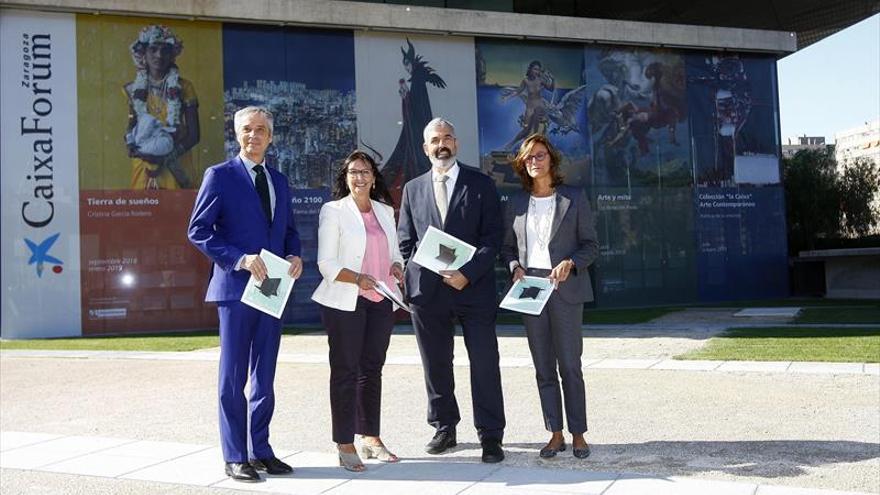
(442,163)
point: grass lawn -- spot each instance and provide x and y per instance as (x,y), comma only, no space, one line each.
(602,316)
(853,345)
(841,314)
(805,302)
(173,342)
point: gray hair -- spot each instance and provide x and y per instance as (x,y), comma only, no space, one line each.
(435,123)
(240,115)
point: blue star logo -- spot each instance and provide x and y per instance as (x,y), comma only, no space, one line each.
(40,253)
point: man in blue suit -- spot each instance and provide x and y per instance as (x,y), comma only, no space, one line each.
(463,203)
(244,207)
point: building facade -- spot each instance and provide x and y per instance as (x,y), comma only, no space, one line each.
(672,130)
(862,142)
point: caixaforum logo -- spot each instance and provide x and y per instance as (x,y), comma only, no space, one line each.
(40,254)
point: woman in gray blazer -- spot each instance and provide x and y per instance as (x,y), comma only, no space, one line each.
(549,232)
(357,250)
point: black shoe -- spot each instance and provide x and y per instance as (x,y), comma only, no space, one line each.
(271,465)
(548,452)
(242,471)
(442,441)
(581,453)
(492,452)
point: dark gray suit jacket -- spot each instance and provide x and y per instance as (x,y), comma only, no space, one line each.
(474,216)
(572,235)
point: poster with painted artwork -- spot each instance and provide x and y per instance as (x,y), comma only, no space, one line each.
(525,88)
(637,107)
(734,119)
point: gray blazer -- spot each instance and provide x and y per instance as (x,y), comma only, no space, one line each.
(572,235)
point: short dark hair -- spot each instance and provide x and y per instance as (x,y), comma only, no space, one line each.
(519,162)
(379,192)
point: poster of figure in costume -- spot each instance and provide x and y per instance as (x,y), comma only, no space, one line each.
(527,88)
(637,107)
(154,92)
(402,83)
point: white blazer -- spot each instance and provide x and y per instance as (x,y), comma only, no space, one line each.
(342,243)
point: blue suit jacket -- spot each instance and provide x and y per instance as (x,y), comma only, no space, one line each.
(473,216)
(228,221)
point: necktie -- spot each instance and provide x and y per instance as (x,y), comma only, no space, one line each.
(262,185)
(440,195)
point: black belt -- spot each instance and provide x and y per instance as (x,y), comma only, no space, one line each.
(537,272)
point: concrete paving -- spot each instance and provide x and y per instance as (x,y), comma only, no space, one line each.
(192,465)
(139,423)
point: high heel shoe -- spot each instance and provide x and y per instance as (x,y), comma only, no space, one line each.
(351,462)
(379,452)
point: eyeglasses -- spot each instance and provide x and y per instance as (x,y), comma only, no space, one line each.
(361,173)
(537,156)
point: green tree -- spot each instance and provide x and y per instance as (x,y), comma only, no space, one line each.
(824,202)
(812,198)
(860,184)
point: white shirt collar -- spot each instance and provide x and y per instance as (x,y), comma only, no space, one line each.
(452,173)
(250,164)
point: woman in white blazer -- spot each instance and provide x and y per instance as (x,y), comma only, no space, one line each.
(357,249)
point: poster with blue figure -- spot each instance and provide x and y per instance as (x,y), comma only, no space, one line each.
(733,118)
(741,243)
(527,88)
(315,124)
(637,107)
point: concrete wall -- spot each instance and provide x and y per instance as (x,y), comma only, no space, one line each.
(388,17)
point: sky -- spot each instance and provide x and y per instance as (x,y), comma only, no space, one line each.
(832,85)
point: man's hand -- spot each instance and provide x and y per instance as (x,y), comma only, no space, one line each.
(397,272)
(454,278)
(254,264)
(296,266)
(518,273)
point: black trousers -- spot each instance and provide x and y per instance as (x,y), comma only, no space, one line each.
(358,342)
(434,329)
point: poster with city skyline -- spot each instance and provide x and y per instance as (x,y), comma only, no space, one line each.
(307,80)
(313,101)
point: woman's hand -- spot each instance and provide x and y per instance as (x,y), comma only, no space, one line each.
(561,271)
(397,272)
(365,282)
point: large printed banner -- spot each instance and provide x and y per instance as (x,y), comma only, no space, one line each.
(151,121)
(638,118)
(738,199)
(402,83)
(524,88)
(315,121)
(40,261)
(109,123)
